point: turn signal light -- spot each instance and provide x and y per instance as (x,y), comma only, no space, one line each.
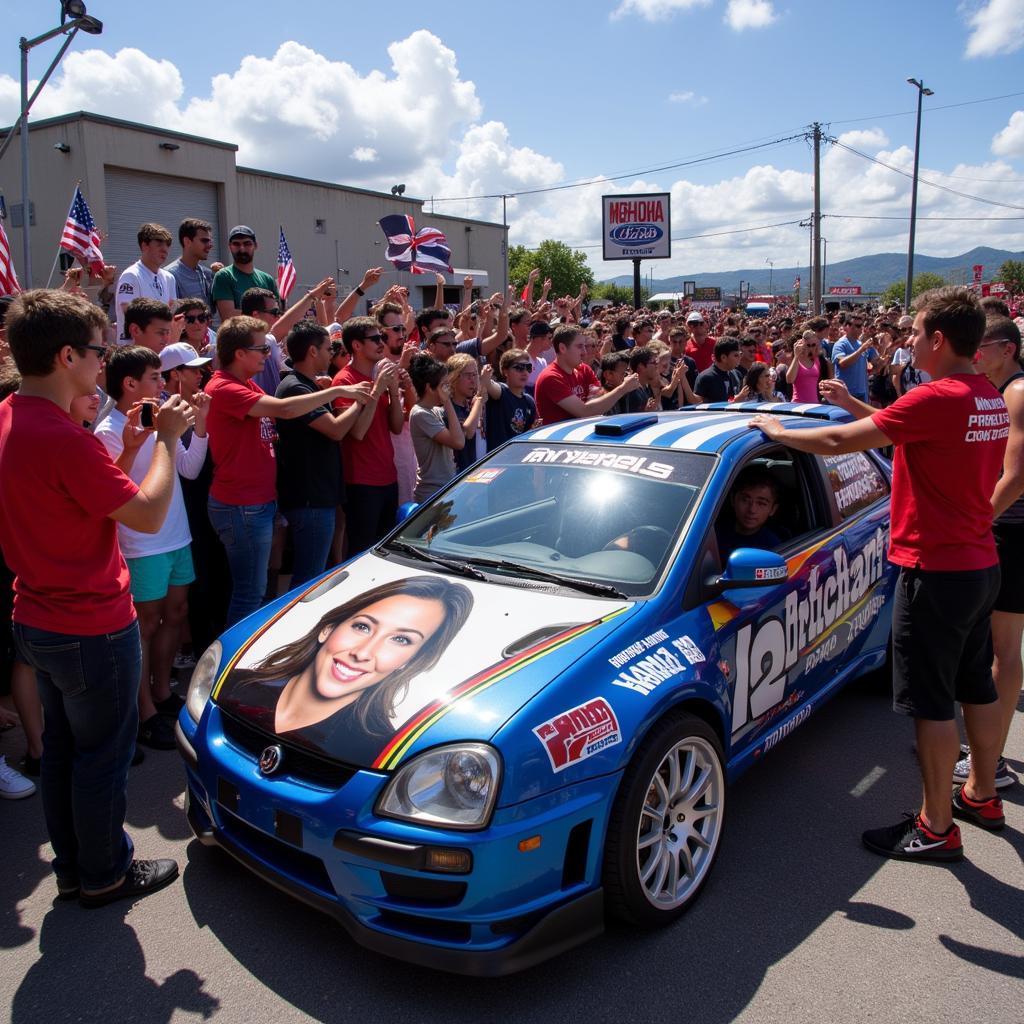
(456,862)
(526,845)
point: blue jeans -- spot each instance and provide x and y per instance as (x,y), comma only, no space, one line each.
(312,533)
(247,532)
(89,688)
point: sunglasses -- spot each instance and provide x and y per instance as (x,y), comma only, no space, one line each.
(398,328)
(273,311)
(200,318)
(98,349)
(522,367)
(376,338)
(265,349)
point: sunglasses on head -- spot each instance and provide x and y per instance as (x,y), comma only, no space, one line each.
(200,318)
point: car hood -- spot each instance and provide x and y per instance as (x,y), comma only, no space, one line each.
(355,668)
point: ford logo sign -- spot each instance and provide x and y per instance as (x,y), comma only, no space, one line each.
(635,234)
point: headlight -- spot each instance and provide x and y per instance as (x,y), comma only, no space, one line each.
(204,675)
(453,786)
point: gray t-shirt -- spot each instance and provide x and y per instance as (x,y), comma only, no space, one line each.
(436,461)
(192,284)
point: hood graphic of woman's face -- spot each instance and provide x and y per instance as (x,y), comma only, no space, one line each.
(366,648)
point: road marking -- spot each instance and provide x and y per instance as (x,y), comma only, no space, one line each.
(868,781)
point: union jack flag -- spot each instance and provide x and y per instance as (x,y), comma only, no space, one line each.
(285,267)
(8,279)
(421,252)
(80,236)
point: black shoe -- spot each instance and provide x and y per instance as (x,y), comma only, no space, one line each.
(911,839)
(157,732)
(29,766)
(138,757)
(142,878)
(985,813)
(169,706)
(67,889)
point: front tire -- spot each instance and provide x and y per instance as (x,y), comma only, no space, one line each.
(666,824)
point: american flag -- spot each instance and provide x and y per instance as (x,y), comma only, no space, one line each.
(419,252)
(8,279)
(285,268)
(80,236)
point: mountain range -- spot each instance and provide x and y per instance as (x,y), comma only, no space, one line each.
(873,273)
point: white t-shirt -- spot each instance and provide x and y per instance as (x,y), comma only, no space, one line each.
(174,534)
(139,282)
(900,358)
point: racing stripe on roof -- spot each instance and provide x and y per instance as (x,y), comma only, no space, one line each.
(579,433)
(549,433)
(705,439)
(657,433)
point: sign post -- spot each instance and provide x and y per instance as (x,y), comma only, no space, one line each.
(636,227)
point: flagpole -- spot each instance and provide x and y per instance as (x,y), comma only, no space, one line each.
(57,257)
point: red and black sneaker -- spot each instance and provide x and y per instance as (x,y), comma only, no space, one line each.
(986,813)
(911,839)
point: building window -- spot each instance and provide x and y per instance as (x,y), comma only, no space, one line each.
(321,226)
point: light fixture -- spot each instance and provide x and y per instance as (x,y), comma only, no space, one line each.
(169,146)
(398,190)
(62,147)
(90,25)
(71,9)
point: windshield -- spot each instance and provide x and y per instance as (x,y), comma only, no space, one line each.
(606,515)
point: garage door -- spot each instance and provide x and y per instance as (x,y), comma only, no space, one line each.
(133,198)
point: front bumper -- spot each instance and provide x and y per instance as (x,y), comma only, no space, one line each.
(511,910)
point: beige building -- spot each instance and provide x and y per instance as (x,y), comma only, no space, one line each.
(131,173)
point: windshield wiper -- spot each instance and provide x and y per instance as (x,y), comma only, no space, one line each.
(459,568)
(573,582)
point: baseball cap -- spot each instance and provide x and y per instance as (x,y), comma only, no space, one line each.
(539,328)
(695,318)
(179,354)
(241,231)
(905,321)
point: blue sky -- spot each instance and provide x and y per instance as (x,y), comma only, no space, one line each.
(500,98)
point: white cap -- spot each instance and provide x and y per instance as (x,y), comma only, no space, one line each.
(180,354)
(695,318)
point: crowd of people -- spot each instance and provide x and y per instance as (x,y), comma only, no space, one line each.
(175,439)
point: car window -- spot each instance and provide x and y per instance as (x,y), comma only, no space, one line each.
(856,482)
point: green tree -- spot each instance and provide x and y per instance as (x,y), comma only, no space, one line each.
(1011,273)
(923,282)
(567,268)
(618,294)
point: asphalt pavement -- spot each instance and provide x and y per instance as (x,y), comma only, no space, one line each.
(798,923)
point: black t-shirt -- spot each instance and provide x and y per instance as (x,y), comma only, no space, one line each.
(506,416)
(636,401)
(729,540)
(715,385)
(308,462)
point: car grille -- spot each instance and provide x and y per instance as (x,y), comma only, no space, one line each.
(299,763)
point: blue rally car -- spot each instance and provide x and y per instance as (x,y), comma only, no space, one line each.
(523,709)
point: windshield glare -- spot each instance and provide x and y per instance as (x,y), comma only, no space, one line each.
(600,513)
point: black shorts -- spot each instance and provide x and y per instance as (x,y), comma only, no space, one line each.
(1010,545)
(942,641)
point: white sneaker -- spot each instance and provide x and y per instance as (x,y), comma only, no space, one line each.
(13,785)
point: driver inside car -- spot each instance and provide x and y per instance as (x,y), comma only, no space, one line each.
(754,500)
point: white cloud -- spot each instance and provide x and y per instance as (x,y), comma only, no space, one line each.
(996,28)
(689,97)
(1010,141)
(743,14)
(364,154)
(655,10)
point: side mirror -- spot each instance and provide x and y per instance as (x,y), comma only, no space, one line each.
(405,510)
(750,567)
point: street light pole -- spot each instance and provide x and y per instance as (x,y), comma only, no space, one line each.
(771,275)
(921,93)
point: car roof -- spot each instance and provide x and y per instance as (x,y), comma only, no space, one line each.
(697,428)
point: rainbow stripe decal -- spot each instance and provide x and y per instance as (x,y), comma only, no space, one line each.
(391,756)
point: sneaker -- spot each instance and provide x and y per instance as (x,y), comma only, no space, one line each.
(911,839)
(184,660)
(986,813)
(157,732)
(67,889)
(14,785)
(143,878)
(169,706)
(29,766)
(1004,777)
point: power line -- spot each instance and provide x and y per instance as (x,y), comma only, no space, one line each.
(708,234)
(924,181)
(931,109)
(866,216)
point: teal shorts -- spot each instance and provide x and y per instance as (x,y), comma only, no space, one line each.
(153,574)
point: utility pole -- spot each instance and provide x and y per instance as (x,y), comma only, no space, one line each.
(504,246)
(921,93)
(816,226)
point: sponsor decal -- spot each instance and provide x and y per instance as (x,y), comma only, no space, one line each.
(125,288)
(483,476)
(579,733)
(638,464)
(855,480)
(768,649)
(771,572)
(635,234)
(651,671)
(787,727)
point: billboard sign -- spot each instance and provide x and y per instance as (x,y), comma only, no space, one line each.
(636,227)
(844,289)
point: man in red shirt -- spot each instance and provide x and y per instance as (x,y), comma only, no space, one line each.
(568,388)
(950,435)
(61,499)
(367,455)
(701,346)
(243,495)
